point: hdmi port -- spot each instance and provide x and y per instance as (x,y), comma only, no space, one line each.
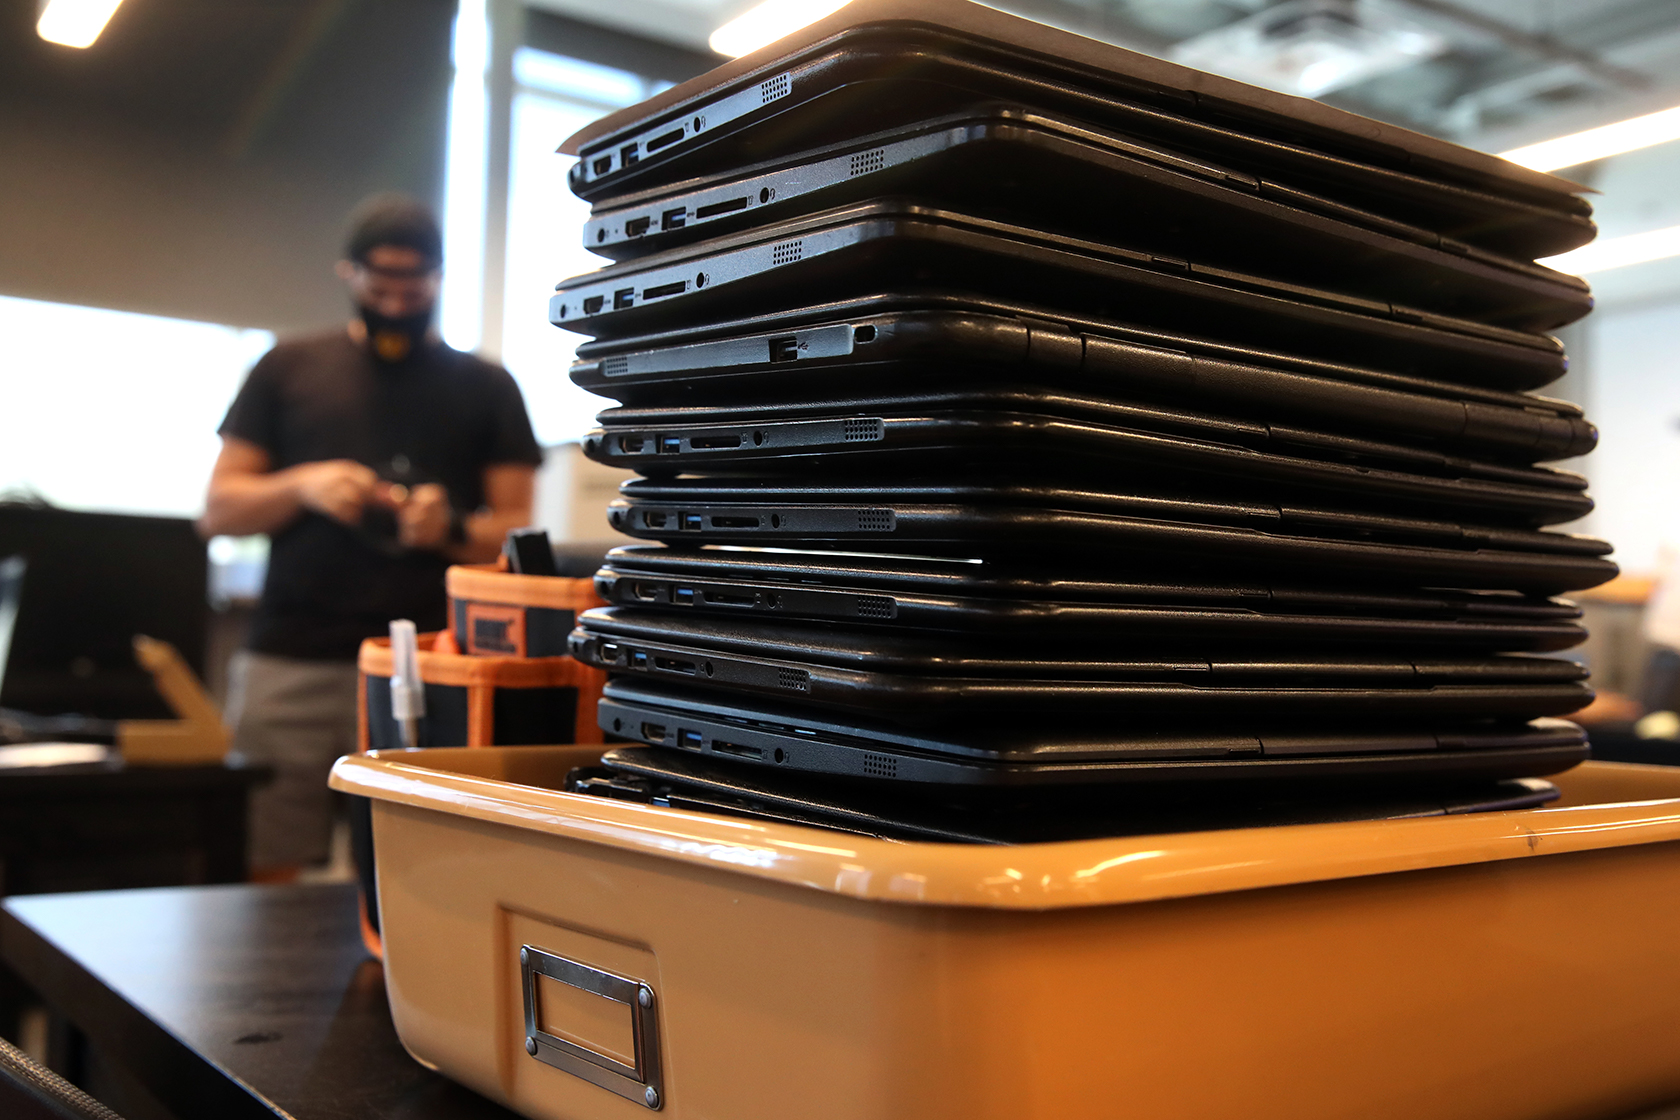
(654,731)
(635,227)
(593,304)
(713,443)
(736,749)
(672,665)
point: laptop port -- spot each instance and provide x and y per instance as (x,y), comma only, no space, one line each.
(674,665)
(736,749)
(631,445)
(683,596)
(647,592)
(653,519)
(602,165)
(593,304)
(635,227)
(717,208)
(674,219)
(670,445)
(713,443)
(623,298)
(784,349)
(628,156)
(863,334)
(664,139)
(692,522)
(725,599)
(724,522)
(654,731)
(690,740)
(675,288)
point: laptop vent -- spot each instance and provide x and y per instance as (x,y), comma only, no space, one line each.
(863,429)
(880,766)
(774,88)
(865,162)
(875,520)
(876,606)
(615,367)
(797,679)
(787,252)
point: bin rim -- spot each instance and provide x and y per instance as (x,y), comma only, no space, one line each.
(1020,877)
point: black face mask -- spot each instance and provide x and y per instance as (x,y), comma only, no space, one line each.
(393,341)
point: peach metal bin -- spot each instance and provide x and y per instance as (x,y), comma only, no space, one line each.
(1504,965)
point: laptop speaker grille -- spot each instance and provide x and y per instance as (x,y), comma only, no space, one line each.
(875,520)
(876,606)
(863,429)
(865,162)
(880,766)
(787,252)
(774,88)
(615,367)
(797,679)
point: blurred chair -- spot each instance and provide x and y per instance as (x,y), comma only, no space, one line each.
(29,1091)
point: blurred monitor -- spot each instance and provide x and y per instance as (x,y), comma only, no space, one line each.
(94,581)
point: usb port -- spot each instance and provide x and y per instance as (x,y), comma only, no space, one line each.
(683,596)
(603,164)
(635,227)
(654,731)
(689,740)
(736,749)
(623,298)
(638,659)
(784,349)
(593,304)
(674,219)
(670,445)
(627,155)
(691,522)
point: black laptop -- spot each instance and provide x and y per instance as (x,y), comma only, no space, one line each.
(937,677)
(1049,597)
(1004,161)
(1133,528)
(1017,434)
(874,65)
(686,780)
(938,342)
(1116,747)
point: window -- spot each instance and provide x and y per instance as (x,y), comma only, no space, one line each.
(162,387)
(555,97)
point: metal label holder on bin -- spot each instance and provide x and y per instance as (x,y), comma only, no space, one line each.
(640,1082)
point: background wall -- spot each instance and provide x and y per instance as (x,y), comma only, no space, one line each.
(200,159)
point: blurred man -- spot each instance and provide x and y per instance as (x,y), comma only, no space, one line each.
(374,456)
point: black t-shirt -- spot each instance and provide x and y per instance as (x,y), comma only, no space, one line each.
(442,416)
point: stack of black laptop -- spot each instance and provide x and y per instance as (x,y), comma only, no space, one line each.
(1017,412)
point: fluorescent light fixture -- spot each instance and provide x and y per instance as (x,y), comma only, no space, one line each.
(1597,143)
(1615,252)
(768,22)
(75,23)
(465,182)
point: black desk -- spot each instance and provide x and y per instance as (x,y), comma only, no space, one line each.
(230,1002)
(82,828)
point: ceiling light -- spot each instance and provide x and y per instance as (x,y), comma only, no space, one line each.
(1597,143)
(768,22)
(1311,47)
(1614,252)
(75,23)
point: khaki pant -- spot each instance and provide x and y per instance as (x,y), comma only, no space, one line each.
(297,717)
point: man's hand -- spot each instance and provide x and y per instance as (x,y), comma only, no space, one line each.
(339,488)
(423,518)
